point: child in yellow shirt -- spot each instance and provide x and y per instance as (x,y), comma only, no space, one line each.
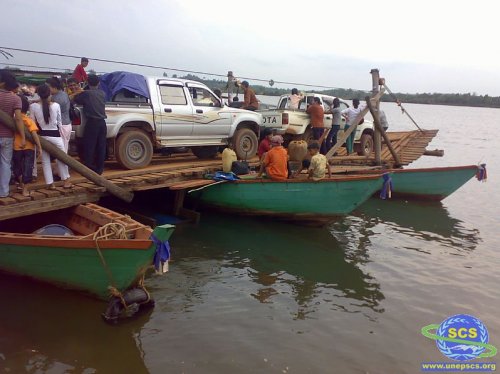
(23,157)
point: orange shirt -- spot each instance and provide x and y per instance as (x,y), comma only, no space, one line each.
(276,162)
(316,112)
(30,126)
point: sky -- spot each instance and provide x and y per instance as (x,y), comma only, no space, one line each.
(419,46)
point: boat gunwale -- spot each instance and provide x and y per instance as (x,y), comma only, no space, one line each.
(334,179)
(69,242)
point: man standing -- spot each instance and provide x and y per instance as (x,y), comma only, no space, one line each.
(79,74)
(231,86)
(94,134)
(11,104)
(250,100)
(316,112)
(350,115)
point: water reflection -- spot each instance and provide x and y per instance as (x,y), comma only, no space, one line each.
(281,259)
(47,330)
(429,221)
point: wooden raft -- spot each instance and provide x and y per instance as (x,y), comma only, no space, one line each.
(172,172)
(409,145)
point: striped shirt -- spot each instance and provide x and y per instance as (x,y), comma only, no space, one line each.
(9,103)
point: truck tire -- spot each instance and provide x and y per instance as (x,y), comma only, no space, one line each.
(205,152)
(134,149)
(365,147)
(245,143)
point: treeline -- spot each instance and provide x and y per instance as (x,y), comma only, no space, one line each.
(467,99)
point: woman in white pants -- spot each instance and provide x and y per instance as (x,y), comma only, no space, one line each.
(60,97)
(48,117)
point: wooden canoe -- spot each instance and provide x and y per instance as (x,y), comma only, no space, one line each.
(297,199)
(426,183)
(73,261)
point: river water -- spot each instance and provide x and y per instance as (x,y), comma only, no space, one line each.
(255,296)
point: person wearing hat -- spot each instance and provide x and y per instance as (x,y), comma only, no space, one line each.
(265,143)
(319,163)
(250,101)
(275,161)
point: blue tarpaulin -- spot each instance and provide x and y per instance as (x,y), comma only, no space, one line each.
(112,83)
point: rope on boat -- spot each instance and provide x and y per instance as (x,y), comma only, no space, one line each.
(112,230)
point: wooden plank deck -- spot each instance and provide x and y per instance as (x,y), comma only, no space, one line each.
(409,145)
(176,171)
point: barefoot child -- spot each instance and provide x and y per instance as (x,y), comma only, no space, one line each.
(23,158)
(319,163)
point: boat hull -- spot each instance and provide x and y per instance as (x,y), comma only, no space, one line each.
(301,200)
(430,183)
(76,264)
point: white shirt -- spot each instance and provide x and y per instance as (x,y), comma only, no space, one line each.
(36,114)
(351,113)
(293,101)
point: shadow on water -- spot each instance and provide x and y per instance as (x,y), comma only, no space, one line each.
(44,329)
(307,261)
(429,221)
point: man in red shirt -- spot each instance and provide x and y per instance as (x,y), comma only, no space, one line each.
(316,112)
(265,143)
(80,74)
(10,104)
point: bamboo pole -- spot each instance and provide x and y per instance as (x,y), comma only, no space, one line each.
(378,126)
(353,127)
(72,163)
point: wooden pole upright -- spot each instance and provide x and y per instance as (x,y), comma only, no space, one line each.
(377,141)
(72,163)
(378,126)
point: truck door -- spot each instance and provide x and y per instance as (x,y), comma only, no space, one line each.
(176,113)
(210,119)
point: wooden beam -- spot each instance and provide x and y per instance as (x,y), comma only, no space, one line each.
(352,128)
(71,162)
(377,142)
(376,121)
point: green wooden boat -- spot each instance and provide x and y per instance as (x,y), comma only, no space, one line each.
(297,199)
(427,183)
(74,261)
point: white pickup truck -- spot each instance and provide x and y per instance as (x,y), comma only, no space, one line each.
(147,114)
(295,124)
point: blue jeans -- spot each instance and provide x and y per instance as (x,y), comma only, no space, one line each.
(331,138)
(317,133)
(6,148)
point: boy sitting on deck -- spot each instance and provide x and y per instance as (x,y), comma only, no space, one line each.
(23,158)
(319,163)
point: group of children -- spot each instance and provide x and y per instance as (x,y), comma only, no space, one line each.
(275,160)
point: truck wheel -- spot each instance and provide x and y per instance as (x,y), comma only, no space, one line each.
(134,149)
(205,152)
(365,145)
(245,143)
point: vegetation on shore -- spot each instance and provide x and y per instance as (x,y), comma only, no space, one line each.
(468,99)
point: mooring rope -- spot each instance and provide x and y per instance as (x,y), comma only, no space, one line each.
(112,230)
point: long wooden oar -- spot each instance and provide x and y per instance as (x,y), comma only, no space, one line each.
(71,162)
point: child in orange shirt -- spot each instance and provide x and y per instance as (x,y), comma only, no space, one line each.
(23,158)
